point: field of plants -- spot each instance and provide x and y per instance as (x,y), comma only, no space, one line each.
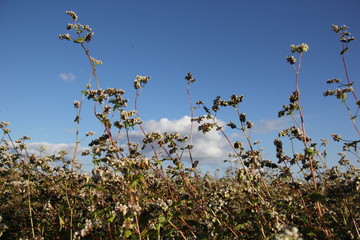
(129,195)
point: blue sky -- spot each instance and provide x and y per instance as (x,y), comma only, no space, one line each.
(230,46)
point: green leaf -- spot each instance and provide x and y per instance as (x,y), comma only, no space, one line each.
(134,183)
(344,51)
(317,196)
(136,180)
(79,40)
(309,151)
(127,233)
(162,219)
(305,220)
(242,225)
(312,234)
(110,219)
(78,30)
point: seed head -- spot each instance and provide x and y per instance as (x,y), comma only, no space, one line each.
(70,26)
(291,59)
(336,137)
(72,14)
(65,36)
(242,117)
(89,36)
(90,133)
(334,80)
(335,28)
(97,62)
(190,78)
(87,28)
(141,81)
(249,124)
(76,104)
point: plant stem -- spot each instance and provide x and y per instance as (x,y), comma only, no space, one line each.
(304,135)
(192,123)
(30,208)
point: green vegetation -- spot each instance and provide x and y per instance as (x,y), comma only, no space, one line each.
(131,196)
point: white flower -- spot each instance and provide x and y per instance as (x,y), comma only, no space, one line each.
(289,234)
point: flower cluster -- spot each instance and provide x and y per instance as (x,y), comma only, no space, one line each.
(72,14)
(141,81)
(189,78)
(301,48)
(297,49)
(339,93)
(344,34)
(79,28)
(289,234)
(3,126)
(95,61)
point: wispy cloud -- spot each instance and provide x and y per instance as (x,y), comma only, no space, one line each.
(69,130)
(270,125)
(67,77)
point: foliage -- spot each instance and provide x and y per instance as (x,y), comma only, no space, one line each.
(128,195)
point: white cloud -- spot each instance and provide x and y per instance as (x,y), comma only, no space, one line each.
(209,148)
(47,149)
(67,77)
(51,148)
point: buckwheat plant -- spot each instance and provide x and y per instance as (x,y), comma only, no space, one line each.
(352,105)
(298,131)
(84,35)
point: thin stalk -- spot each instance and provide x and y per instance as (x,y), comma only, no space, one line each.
(347,73)
(191,124)
(304,138)
(304,135)
(241,161)
(30,209)
(247,136)
(106,126)
(138,93)
(109,229)
(181,233)
(343,45)
(356,227)
(71,214)
(78,115)
(351,115)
